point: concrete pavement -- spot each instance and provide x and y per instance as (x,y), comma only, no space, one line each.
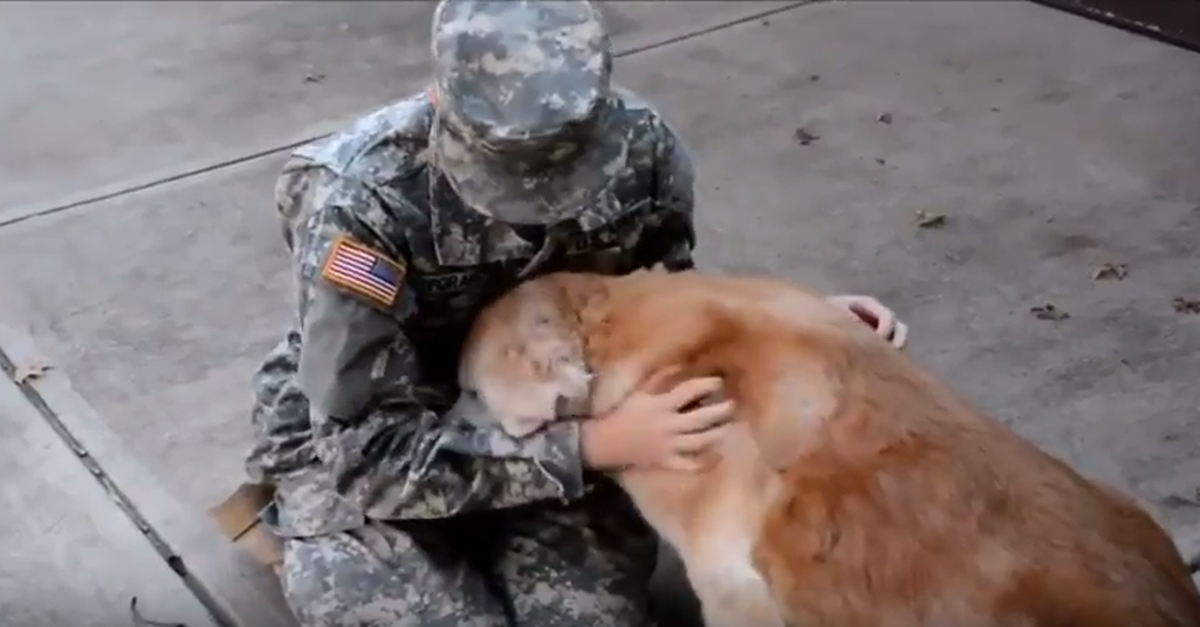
(1052,145)
(138,92)
(69,558)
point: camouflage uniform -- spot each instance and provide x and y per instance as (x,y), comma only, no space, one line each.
(531,164)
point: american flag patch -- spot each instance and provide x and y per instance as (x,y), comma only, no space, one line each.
(363,271)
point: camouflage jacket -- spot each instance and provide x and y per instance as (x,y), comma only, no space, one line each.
(347,412)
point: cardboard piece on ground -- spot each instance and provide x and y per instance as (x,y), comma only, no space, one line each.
(238,517)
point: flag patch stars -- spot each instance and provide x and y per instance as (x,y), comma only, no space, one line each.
(364,271)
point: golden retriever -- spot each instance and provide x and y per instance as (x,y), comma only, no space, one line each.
(855,489)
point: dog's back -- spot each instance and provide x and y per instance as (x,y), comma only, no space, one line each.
(900,503)
(916,510)
(857,490)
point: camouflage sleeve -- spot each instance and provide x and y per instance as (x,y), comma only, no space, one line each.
(387,452)
(670,239)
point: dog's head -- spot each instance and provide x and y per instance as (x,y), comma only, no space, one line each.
(522,364)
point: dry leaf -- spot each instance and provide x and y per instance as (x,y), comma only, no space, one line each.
(884,118)
(1186,305)
(1110,272)
(139,621)
(30,372)
(1048,312)
(804,137)
(1176,501)
(930,219)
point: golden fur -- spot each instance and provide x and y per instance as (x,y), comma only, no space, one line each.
(855,490)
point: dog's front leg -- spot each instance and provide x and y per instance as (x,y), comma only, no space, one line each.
(734,595)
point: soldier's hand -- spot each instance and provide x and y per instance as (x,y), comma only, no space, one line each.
(659,430)
(874,314)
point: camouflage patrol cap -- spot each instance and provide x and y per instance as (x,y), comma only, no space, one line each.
(522,106)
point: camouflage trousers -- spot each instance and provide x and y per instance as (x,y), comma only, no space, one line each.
(586,563)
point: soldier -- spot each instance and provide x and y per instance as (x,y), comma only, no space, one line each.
(520,160)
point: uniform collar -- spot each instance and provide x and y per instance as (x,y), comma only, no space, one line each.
(464,238)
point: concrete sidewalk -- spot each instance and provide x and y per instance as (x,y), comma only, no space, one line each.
(1052,145)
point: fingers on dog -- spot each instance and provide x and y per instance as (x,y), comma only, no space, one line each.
(657,381)
(900,337)
(685,464)
(699,442)
(705,418)
(692,391)
(885,321)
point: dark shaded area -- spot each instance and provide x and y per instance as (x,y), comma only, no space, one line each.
(1176,22)
(675,605)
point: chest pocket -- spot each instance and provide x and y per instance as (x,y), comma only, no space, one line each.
(446,304)
(451,298)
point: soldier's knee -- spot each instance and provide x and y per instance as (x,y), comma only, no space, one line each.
(324,580)
(350,579)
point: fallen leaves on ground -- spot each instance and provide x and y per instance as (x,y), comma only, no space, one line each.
(30,372)
(804,137)
(1110,272)
(1186,305)
(140,621)
(930,219)
(1048,312)
(1176,500)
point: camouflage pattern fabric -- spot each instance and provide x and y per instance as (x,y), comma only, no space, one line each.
(584,563)
(392,515)
(517,104)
